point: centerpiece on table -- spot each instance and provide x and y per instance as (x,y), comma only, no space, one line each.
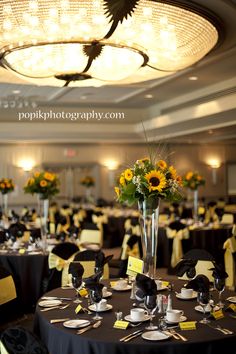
(148,181)
(6,186)
(45,185)
(87,182)
(193,180)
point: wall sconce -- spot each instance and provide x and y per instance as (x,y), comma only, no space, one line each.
(26,164)
(111,165)
(214,164)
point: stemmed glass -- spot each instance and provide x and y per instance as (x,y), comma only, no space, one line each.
(96,297)
(76,283)
(219,284)
(150,304)
(203,300)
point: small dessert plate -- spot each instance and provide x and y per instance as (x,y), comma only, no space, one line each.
(180,296)
(129,319)
(93,308)
(50,303)
(76,323)
(155,336)
(182,319)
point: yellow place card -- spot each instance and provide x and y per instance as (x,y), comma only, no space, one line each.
(121,324)
(232,307)
(165,283)
(218,314)
(186,326)
(78,308)
(21,250)
(113,284)
(135,266)
(83,292)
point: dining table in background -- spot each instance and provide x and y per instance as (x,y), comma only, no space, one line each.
(106,339)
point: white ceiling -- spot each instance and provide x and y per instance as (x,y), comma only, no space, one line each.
(179,110)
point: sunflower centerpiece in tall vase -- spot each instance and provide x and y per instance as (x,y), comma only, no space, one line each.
(146,183)
(88,182)
(6,186)
(45,185)
(193,180)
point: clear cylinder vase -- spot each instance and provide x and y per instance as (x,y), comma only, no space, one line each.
(5,204)
(149,213)
(43,206)
(195,205)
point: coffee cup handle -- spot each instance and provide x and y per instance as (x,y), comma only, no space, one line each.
(145,312)
(182,312)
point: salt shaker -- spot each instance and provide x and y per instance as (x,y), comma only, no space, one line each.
(160,304)
(169,303)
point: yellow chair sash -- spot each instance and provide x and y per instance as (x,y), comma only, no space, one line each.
(7,290)
(177,250)
(230,248)
(135,230)
(127,251)
(60,264)
(3,349)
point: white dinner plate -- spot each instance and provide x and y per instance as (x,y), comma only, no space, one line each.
(200,309)
(107,294)
(4,251)
(76,323)
(129,319)
(232,299)
(93,308)
(50,303)
(155,335)
(194,296)
(31,253)
(182,319)
(127,287)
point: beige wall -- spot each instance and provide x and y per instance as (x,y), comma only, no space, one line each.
(184,157)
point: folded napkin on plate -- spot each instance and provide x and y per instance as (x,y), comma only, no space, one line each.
(76,269)
(94,279)
(200,283)
(146,285)
(101,260)
(186,266)
(218,272)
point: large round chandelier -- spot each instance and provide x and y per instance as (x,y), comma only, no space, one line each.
(107,40)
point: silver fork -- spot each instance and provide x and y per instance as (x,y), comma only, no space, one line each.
(55,307)
(218,328)
(224,329)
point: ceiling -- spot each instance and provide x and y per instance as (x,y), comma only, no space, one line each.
(173,108)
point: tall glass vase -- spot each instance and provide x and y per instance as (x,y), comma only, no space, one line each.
(5,204)
(149,213)
(43,213)
(195,205)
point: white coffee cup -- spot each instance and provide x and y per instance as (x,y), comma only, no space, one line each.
(104,291)
(137,314)
(174,315)
(159,284)
(121,284)
(102,305)
(186,293)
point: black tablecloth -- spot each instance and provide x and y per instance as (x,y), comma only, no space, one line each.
(105,339)
(28,272)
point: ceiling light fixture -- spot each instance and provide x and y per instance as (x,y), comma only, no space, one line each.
(108,40)
(193,78)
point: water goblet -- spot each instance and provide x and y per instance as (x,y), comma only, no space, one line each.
(76,283)
(150,304)
(219,284)
(203,300)
(96,297)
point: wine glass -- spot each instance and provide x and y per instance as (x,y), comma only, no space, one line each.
(203,300)
(150,304)
(96,297)
(219,284)
(76,283)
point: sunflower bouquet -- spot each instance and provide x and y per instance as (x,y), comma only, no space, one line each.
(43,183)
(148,180)
(87,181)
(6,185)
(193,180)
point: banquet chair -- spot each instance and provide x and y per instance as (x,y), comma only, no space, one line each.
(87,259)
(58,261)
(18,340)
(91,236)
(230,260)
(227,219)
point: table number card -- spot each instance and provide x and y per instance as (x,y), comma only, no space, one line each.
(190,325)
(78,309)
(218,314)
(135,266)
(165,284)
(22,251)
(121,324)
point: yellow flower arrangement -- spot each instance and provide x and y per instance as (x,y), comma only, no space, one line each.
(6,185)
(193,180)
(87,181)
(43,183)
(148,180)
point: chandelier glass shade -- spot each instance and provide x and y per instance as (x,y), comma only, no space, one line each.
(76,40)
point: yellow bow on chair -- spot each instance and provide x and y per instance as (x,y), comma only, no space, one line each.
(177,250)
(230,248)
(7,290)
(61,264)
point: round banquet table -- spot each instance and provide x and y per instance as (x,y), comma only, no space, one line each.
(105,339)
(28,271)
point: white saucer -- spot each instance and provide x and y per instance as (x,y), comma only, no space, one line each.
(155,335)
(194,296)
(50,303)
(93,308)
(76,323)
(129,319)
(127,287)
(200,309)
(107,294)
(232,299)
(182,319)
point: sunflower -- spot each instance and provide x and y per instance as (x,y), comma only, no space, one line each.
(179,181)
(43,183)
(2,185)
(36,174)
(49,176)
(173,172)
(189,175)
(128,174)
(156,180)
(122,180)
(117,191)
(162,164)
(30,181)
(199,178)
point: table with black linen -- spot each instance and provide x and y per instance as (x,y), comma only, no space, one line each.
(105,339)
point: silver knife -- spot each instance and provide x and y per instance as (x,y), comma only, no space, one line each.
(134,336)
(58,320)
(130,335)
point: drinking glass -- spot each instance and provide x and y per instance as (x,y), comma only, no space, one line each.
(76,283)
(150,304)
(219,284)
(203,300)
(96,297)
